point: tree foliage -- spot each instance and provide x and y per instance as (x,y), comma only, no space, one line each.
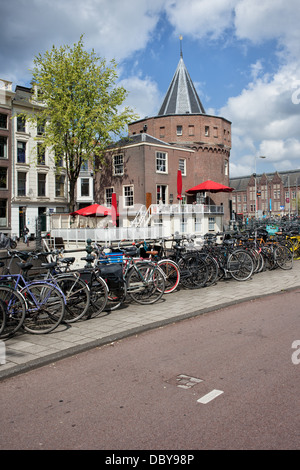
(78,99)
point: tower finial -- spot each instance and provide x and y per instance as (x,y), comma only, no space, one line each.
(180,37)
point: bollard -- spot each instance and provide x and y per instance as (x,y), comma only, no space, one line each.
(89,258)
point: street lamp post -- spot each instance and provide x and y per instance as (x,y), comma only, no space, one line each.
(255,183)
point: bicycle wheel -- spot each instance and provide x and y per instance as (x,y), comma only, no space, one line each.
(283,257)
(193,271)
(171,274)
(98,296)
(240,265)
(212,268)
(14,306)
(145,283)
(45,307)
(77,294)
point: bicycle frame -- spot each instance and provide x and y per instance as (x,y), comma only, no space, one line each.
(20,283)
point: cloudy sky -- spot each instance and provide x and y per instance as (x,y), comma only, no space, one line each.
(243,57)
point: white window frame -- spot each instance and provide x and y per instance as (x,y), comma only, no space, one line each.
(39,175)
(108,196)
(118,167)
(179,130)
(166,191)
(128,196)
(85,185)
(161,161)
(182,166)
(211,223)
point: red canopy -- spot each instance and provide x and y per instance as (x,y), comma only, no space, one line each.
(179,185)
(210,186)
(93,211)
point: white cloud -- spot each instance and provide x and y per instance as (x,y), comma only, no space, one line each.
(143,96)
(200,18)
(266,121)
(259,20)
(115,29)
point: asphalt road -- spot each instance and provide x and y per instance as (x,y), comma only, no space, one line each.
(227,379)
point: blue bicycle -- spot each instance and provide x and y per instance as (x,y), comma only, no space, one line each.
(43,300)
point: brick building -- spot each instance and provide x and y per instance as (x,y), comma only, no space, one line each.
(142,168)
(277,194)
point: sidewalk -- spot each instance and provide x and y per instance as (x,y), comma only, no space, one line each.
(26,351)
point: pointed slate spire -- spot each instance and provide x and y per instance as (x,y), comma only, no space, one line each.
(181,97)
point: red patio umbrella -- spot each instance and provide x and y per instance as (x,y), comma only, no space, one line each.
(93,211)
(114,208)
(210,186)
(179,185)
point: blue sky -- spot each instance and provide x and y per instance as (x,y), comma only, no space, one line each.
(242,55)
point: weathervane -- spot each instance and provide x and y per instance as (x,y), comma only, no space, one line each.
(180,37)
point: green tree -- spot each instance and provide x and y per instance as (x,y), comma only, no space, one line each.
(80,103)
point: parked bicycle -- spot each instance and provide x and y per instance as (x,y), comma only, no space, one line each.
(44,303)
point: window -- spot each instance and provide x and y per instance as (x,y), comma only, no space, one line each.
(216,132)
(226,167)
(161,162)
(3,212)
(3,147)
(118,165)
(211,223)
(179,130)
(59,161)
(3,178)
(41,127)
(198,223)
(21,152)
(161,192)
(21,183)
(182,166)
(161,132)
(276,188)
(252,193)
(59,185)
(40,154)
(84,166)
(128,196)
(41,184)
(108,193)
(21,123)
(85,187)
(206,131)
(3,121)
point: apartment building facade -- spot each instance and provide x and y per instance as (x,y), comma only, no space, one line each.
(266,195)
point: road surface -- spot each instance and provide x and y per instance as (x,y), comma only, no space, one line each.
(228,379)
